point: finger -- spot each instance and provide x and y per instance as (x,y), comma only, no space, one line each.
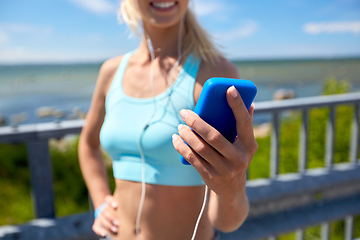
(107,221)
(109,213)
(203,149)
(243,118)
(190,155)
(98,229)
(208,133)
(110,200)
(251,110)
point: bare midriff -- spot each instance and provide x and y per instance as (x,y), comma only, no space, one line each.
(168,212)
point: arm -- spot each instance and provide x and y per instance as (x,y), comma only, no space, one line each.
(224,170)
(90,159)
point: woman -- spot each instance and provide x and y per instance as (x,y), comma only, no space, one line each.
(139,103)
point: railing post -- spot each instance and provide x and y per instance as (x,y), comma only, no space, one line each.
(272,238)
(325,231)
(42,192)
(275,140)
(354,147)
(303,148)
(330,138)
(349,227)
(300,234)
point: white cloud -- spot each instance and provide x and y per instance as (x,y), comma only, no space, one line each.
(205,8)
(18,27)
(24,55)
(97,6)
(332,27)
(243,31)
(8,30)
(4,37)
(349,1)
(93,37)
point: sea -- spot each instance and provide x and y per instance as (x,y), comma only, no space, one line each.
(68,88)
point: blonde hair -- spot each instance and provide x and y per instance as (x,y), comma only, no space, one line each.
(196,39)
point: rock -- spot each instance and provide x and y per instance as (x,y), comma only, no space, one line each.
(282,94)
(71,116)
(16,119)
(78,113)
(81,115)
(58,113)
(262,130)
(3,121)
(43,112)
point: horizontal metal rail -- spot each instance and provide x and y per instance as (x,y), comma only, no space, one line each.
(40,131)
(74,227)
(302,217)
(308,102)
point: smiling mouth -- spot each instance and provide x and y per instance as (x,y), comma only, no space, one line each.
(163,5)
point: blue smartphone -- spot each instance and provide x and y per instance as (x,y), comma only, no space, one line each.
(214,109)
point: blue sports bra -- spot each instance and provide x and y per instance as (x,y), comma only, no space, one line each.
(125,120)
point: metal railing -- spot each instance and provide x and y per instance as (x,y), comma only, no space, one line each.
(280,204)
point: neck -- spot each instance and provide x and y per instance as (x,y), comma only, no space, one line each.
(164,40)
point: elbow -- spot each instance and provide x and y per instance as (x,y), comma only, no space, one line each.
(235,223)
(86,147)
(234,226)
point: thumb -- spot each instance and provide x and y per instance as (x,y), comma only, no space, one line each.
(243,117)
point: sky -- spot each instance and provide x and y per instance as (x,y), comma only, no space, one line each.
(84,31)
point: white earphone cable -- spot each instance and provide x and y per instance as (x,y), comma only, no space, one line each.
(201,213)
(143,185)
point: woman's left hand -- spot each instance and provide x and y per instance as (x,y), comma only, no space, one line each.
(221,164)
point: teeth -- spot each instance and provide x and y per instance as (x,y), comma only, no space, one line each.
(164,4)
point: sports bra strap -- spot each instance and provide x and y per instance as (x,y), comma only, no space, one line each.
(121,69)
(192,65)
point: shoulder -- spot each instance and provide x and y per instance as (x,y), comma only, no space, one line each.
(107,72)
(109,67)
(220,68)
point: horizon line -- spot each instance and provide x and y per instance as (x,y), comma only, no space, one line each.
(250,59)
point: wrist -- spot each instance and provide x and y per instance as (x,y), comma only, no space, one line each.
(99,209)
(235,194)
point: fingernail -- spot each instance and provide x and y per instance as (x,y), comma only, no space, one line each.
(233,92)
(180,126)
(115,222)
(103,234)
(114,204)
(114,229)
(184,114)
(174,137)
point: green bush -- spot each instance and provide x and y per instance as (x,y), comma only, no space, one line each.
(15,200)
(70,192)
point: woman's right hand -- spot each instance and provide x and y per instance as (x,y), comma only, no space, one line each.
(106,221)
